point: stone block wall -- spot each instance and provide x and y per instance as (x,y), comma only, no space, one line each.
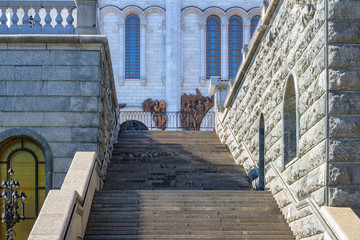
(322,54)
(292,47)
(61,88)
(344,103)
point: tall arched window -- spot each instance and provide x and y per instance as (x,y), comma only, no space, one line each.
(262,153)
(27,160)
(289,122)
(132,46)
(235,44)
(254,23)
(213,46)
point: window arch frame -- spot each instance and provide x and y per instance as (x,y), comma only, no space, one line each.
(232,71)
(253,24)
(213,68)
(132,60)
(291,79)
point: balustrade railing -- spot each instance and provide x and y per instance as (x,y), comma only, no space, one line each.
(38,17)
(137,120)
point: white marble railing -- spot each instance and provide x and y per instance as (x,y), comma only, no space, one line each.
(38,17)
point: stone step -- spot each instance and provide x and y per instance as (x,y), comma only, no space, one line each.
(180,185)
(181,237)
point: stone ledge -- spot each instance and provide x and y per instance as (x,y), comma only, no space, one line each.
(343,221)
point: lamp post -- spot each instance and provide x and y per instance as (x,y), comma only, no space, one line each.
(11,204)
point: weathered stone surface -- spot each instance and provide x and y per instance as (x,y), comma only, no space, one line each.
(344,150)
(88,104)
(61,164)
(311,182)
(70,58)
(344,103)
(313,115)
(344,127)
(7,73)
(344,9)
(340,174)
(344,31)
(27,72)
(282,199)
(313,137)
(311,160)
(343,196)
(344,79)
(19,119)
(306,227)
(344,56)
(85,134)
(68,149)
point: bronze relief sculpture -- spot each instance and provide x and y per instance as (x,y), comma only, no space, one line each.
(194,109)
(158,109)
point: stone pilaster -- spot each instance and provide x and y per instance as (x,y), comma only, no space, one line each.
(224,51)
(173,54)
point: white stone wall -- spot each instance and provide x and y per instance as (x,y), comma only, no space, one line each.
(152,14)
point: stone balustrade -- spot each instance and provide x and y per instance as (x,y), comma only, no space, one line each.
(38,17)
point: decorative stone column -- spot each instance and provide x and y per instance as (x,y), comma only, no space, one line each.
(246,33)
(143,53)
(121,53)
(224,51)
(173,54)
(202,53)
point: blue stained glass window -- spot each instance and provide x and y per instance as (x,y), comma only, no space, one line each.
(132,46)
(254,23)
(213,46)
(235,44)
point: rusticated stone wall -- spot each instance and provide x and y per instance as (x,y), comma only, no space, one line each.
(322,54)
(61,88)
(344,103)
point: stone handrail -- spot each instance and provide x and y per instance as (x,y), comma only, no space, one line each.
(37,17)
(338,223)
(65,212)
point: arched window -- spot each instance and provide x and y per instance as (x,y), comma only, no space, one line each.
(27,160)
(132,46)
(290,128)
(235,44)
(254,23)
(261,153)
(213,46)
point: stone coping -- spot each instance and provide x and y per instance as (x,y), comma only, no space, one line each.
(257,39)
(63,42)
(344,222)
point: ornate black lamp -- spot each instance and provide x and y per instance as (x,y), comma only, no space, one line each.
(11,204)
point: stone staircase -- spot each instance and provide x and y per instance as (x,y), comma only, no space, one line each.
(180,185)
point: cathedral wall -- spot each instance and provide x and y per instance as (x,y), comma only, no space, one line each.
(291,53)
(152,17)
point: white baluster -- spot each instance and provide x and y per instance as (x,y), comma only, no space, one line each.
(69,28)
(14,27)
(36,27)
(25,27)
(47,28)
(3,19)
(59,28)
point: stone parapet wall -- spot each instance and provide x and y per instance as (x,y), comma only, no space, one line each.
(61,88)
(293,45)
(344,103)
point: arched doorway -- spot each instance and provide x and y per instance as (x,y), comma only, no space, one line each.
(261,153)
(132,125)
(27,159)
